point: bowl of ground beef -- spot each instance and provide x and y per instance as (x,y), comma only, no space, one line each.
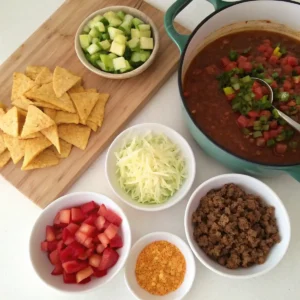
(237,226)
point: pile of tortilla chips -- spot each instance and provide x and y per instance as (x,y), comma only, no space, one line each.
(50,113)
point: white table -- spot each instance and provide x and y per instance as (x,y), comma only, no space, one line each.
(18,19)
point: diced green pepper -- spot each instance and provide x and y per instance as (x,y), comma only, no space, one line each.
(233,55)
(275,75)
(228,90)
(293,144)
(246,79)
(271,142)
(257,134)
(275,113)
(280,137)
(265,127)
(246,131)
(297,98)
(284,96)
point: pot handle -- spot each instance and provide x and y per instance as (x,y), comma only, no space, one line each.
(181,39)
(294,172)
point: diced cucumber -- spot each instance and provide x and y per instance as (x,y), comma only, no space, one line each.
(105,36)
(109,14)
(135,33)
(119,63)
(127,53)
(97,18)
(121,14)
(113,32)
(113,19)
(86,29)
(85,40)
(112,55)
(144,27)
(93,48)
(100,26)
(94,58)
(136,57)
(127,23)
(127,68)
(146,33)
(133,43)
(105,45)
(136,22)
(117,48)
(95,41)
(121,39)
(108,62)
(94,32)
(146,43)
(144,55)
(101,65)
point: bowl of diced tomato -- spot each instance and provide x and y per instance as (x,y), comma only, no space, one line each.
(80,242)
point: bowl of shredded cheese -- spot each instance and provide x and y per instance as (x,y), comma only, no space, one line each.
(150,167)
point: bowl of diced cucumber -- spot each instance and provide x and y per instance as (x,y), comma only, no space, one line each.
(117,42)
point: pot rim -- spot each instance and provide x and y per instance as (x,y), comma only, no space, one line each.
(180,85)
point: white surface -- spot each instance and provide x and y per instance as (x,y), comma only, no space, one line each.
(253,186)
(142,129)
(42,265)
(134,254)
(18,19)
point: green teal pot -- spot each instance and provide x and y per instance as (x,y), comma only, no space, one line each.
(224,15)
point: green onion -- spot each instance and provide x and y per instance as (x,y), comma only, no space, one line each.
(280,137)
(268,80)
(275,113)
(289,133)
(271,142)
(233,55)
(275,75)
(283,51)
(234,80)
(282,122)
(246,79)
(257,134)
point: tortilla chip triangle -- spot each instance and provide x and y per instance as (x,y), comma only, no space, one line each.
(35,121)
(50,113)
(63,80)
(63,117)
(92,125)
(33,71)
(33,148)
(9,123)
(2,112)
(65,149)
(97,113)
(84,103)
(46,93)
(22,103)
(45,159)
(21,84)
(32,136)
(15,146)
(45,76)
(4,158)
(2,144)
(52,135)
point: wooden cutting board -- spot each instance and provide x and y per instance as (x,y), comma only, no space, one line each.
(53,44)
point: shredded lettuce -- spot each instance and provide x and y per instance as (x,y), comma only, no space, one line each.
(150,168)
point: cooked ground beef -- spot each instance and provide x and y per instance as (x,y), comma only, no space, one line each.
(234,228)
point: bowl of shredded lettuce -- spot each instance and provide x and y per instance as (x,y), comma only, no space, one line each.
(150,166)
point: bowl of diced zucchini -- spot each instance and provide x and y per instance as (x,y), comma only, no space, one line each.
(117,42)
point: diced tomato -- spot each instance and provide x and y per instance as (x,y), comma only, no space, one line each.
(74,266)
(280,129)
(292,61)
(98,273)
(265,90)
(60,246)
(44,246)
(88,242)
(287,69)
(52,245)
(242,121)
(273,134)
(111,231)
(260,142)
(58,235)
(267,42)
(251,122)
(287,85)
(103,239)
(266,135)
(87,229)
(109,259)
(297,69)
(65,216)
(56,219)
(265,113)
(91,219)
(77,215)
(83,274)
(242,59)
(255,85)
(72,228)
(80,237)
(284,107)
(50,235)
(116,242)
(58,270)
(246,65)
(95,260)
(89,207)
(292,103)
(102,210)
(100,248)
(273,59)
(54,257)
(112,217)
(230,97)
(225,61)
(99,223)
(262,48)
(280,148)
(274,85)
(71,252)
(273,124)
(69,278)
(258,93)
(84,281)
(260,59)
(230,66)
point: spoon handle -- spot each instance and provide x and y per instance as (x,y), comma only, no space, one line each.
(289,120)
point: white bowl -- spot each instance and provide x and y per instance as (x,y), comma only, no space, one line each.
(250,185)
(129,10)
(41,263)
(130,277)
(128,134)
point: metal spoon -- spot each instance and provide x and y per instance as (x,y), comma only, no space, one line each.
(285,117)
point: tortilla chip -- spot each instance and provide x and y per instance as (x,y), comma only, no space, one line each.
(63,80)
(9,122)
(32,136)
(45,76)
(46,93)
(2,112)
(33,71)
(44,105)
(91,90)
(4,158)
(46,159)
(97,113)
(21,84)
(63,117)
(36,121)
(65,149)
(22,103)
(50,113)
(51,134)
(2,144)
(77,135)
(92,125)
(15,146)
(33,148)
(22,113)
(3,106)
(84,103)
(76,89)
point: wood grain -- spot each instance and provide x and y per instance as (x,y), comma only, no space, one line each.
(53,44)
